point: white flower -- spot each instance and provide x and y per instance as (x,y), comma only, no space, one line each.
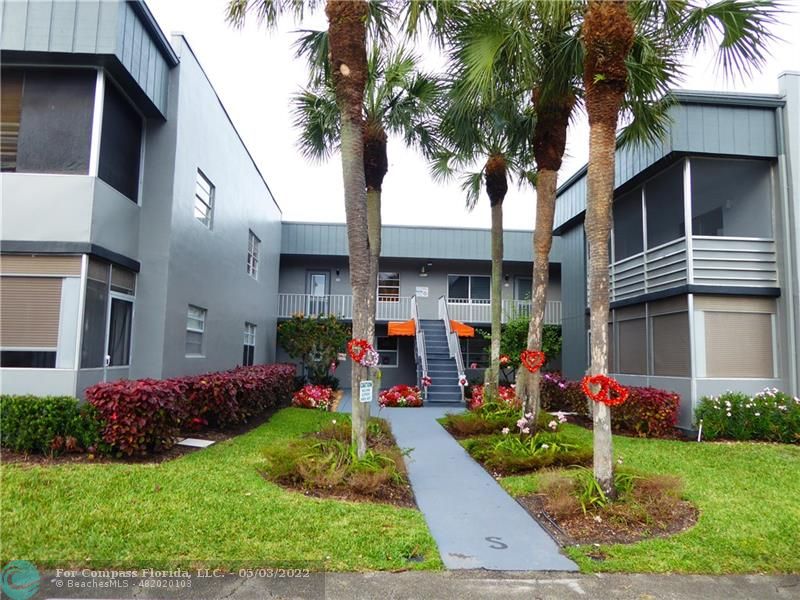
(553,425)
(757,414)
(333,421)
(729,414)
(545,446)
(528,416)
(505,430)
(522,423)
(526,430)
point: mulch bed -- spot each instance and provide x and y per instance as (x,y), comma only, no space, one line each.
(587,529)
(214,434)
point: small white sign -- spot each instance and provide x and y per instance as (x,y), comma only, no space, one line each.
(422,291)
(342,356)
(365,392)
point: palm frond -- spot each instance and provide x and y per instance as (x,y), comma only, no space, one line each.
(313,46)
(472,183)
(268,12)
(316,116)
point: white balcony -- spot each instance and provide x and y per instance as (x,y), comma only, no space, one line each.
(389,308)
(399,308)
(480,311)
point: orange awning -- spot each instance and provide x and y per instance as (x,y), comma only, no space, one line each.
(461,329)
(402,327)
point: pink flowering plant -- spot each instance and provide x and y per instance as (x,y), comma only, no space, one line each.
(313,396)
(770,415)
(506,396)
(401,396)
(528,442)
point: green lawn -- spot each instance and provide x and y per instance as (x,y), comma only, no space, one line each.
(749,500)
(210,507)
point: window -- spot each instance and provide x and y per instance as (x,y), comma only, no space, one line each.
(253,247)
(664,200)
(628,234)
(731,197)
(120,143)
(29,320)
(195,328)
(108,315)
(47,120)
(671,352)
(476,288)
(387,349)
(389,287)
(474,351)
(204,200)
(249,344)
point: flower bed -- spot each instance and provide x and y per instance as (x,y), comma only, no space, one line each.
(506,395)
(401,396)
(313,396)
(770,415)
(145,415)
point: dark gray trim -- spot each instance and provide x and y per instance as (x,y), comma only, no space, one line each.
(28,247)
(151,25)
(698,289)
(109,62)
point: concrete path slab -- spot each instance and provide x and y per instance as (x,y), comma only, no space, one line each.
(476,524)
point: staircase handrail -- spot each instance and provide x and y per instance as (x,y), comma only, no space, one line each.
(419,336)
(452,343)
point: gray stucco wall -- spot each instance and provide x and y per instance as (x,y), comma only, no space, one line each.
(573,303)
(207,268)
(400,241)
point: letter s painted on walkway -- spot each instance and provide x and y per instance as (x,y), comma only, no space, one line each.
(495,543)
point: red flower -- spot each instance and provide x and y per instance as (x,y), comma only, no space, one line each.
(504,359)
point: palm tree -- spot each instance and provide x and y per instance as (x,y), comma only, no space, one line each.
(347,25)
(399,100)
(741,29)
(486,139)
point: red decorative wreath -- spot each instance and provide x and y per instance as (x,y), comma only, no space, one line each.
(357,349)
(533,359)
(609,391)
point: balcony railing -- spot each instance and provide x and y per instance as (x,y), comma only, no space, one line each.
(480,311)
(715,261)
(389,308)
(399,309)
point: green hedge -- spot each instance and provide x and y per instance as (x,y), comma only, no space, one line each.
(770,415)
(48,425)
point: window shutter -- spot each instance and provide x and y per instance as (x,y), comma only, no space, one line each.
(671,354)
(738,344)
(633,347)
(29,312)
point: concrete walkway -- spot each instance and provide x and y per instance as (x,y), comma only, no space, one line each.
(476,524)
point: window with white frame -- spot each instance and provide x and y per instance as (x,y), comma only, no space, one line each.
(195,330)
(204,200)
(253,248)
(389,287)
(249,354)
(387,349)
(474,288)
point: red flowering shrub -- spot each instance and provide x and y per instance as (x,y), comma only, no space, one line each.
(648,412)
(506,393)
(146,415)
(313,396)
(559,394)
(140,415)
(401,395)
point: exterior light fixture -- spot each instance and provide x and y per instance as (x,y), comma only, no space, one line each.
(338,278)
(506,284)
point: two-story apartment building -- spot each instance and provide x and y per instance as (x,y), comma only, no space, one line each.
(429,274)
(704,251)
(138,237)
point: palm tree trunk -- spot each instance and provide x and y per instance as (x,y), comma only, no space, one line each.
(528,383)
(549,142)
(348,57)
(493,373)
(374,235)
(496,188)
(608,36)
